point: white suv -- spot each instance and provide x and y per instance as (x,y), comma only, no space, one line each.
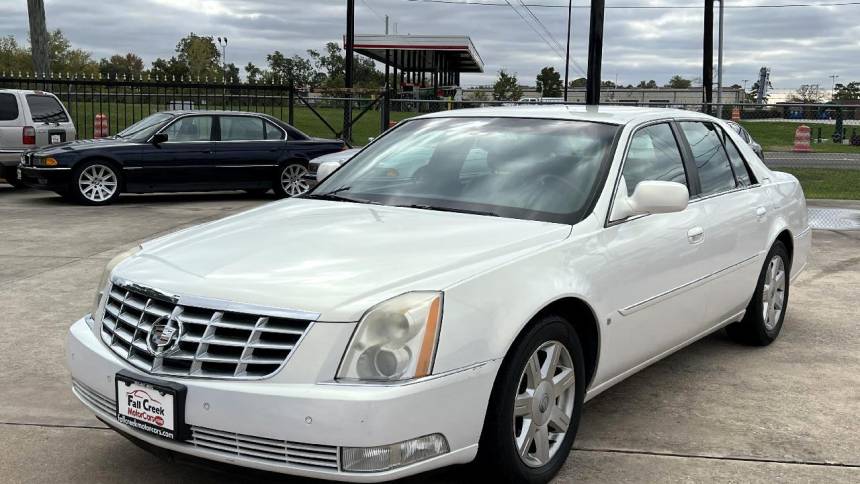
(28,120)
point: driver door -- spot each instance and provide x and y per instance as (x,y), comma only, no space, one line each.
(183,162)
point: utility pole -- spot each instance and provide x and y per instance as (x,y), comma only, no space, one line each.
(720,64)
(39,37)
(567,55)
(386,102)
(708,57)
(347,77)
(595,52)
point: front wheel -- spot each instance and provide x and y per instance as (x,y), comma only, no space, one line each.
(95,183)
(535,406)
(290,181)
(766,311)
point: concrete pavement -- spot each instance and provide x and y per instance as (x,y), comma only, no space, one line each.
(715,411)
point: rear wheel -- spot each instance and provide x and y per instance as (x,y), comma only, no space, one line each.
(766,311)
(290,181)
(95,183)
(535,406)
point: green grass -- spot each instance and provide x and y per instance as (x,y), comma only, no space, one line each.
(121,115)
(779,136)
(828,183)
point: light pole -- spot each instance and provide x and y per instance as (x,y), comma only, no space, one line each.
(833,86)
(223,44)
(567,55)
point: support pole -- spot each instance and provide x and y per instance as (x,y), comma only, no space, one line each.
(567,52)
(720,64)
(347,77)
(708,57)
(386,102)
(595,53)
(39,38)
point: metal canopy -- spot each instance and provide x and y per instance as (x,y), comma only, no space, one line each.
(422,53)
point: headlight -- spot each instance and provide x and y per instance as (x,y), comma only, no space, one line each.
(395,340)
(103,282)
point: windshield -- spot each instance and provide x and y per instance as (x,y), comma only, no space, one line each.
(535,169)
(144,128)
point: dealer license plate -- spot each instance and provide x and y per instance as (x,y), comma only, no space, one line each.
(149,406)
(55,138)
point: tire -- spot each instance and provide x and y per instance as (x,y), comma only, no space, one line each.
(95,183)
(766,311)
(504,432)
(290,181)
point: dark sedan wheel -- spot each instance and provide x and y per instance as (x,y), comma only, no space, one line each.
(535,406)
(291,180)
(95,183)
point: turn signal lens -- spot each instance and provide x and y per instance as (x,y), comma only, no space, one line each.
(396,340)
(51,162)
(375,459)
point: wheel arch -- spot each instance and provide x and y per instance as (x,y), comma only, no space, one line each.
(787,240)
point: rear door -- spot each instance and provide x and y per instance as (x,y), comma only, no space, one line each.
(735,210)
(184,162)
(50,119)
(248,151)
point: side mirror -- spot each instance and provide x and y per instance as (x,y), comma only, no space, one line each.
(326,169)
(649,197)
(158,138)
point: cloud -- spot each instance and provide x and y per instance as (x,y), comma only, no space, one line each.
(801,45)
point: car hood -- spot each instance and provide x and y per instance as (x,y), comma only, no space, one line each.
(338,156)
(81,145)
(332,258)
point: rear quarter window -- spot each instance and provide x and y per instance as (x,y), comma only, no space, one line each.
(8,107)
(46,109)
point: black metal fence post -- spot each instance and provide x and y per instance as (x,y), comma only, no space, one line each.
(291,102)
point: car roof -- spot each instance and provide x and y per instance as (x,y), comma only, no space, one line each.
(603,113)
(178,112)
(26,91)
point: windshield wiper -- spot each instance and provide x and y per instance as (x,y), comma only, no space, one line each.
(333,195)
(449,209)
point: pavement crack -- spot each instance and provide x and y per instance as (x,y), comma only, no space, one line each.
(718,457)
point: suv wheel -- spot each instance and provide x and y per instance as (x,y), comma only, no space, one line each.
(536,404)
(95,183)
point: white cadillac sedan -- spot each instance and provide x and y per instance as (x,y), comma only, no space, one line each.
(455,292)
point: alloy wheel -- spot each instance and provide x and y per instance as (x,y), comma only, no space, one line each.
(543,406)
(293,180)
(97,183)
(773,292)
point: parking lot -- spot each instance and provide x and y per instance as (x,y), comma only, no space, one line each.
(714,411)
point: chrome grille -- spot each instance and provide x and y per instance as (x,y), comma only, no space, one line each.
(271,450)
(94,398)
(212,343)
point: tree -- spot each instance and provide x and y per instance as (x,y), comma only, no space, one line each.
(13,57)
(847,92)
(200,56)
(331,63)
(506,87)
(253,73)
(548,82)
(678,82)
(118,66)
(172,69)
(608,84)
(807,93)
(652,84)
(295,69)
(578,82)
(66,59)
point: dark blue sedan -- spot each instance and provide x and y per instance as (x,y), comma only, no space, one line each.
(180,151)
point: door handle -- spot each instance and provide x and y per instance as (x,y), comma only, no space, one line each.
(696,235)
(760,212)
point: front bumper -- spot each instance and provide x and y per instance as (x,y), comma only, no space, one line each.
(10,158)
(45,178)
(322,415)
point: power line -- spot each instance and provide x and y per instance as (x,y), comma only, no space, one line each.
(486,3)
(575,64)
(539,34)
(372,10)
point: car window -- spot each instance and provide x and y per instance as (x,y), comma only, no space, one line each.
(46,109)
(273,132)
(242,128)
(739,165)
(8,107)
(653,155)
(190,128)
(715,172)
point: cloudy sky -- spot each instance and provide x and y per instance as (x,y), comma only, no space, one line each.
(802,45)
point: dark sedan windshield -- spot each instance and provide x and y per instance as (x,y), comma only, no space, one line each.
(536,169)
(145,128)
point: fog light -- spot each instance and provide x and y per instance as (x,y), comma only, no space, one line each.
(383,458)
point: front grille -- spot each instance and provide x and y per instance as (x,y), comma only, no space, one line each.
(212,343)
(94,398)
(271,450)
